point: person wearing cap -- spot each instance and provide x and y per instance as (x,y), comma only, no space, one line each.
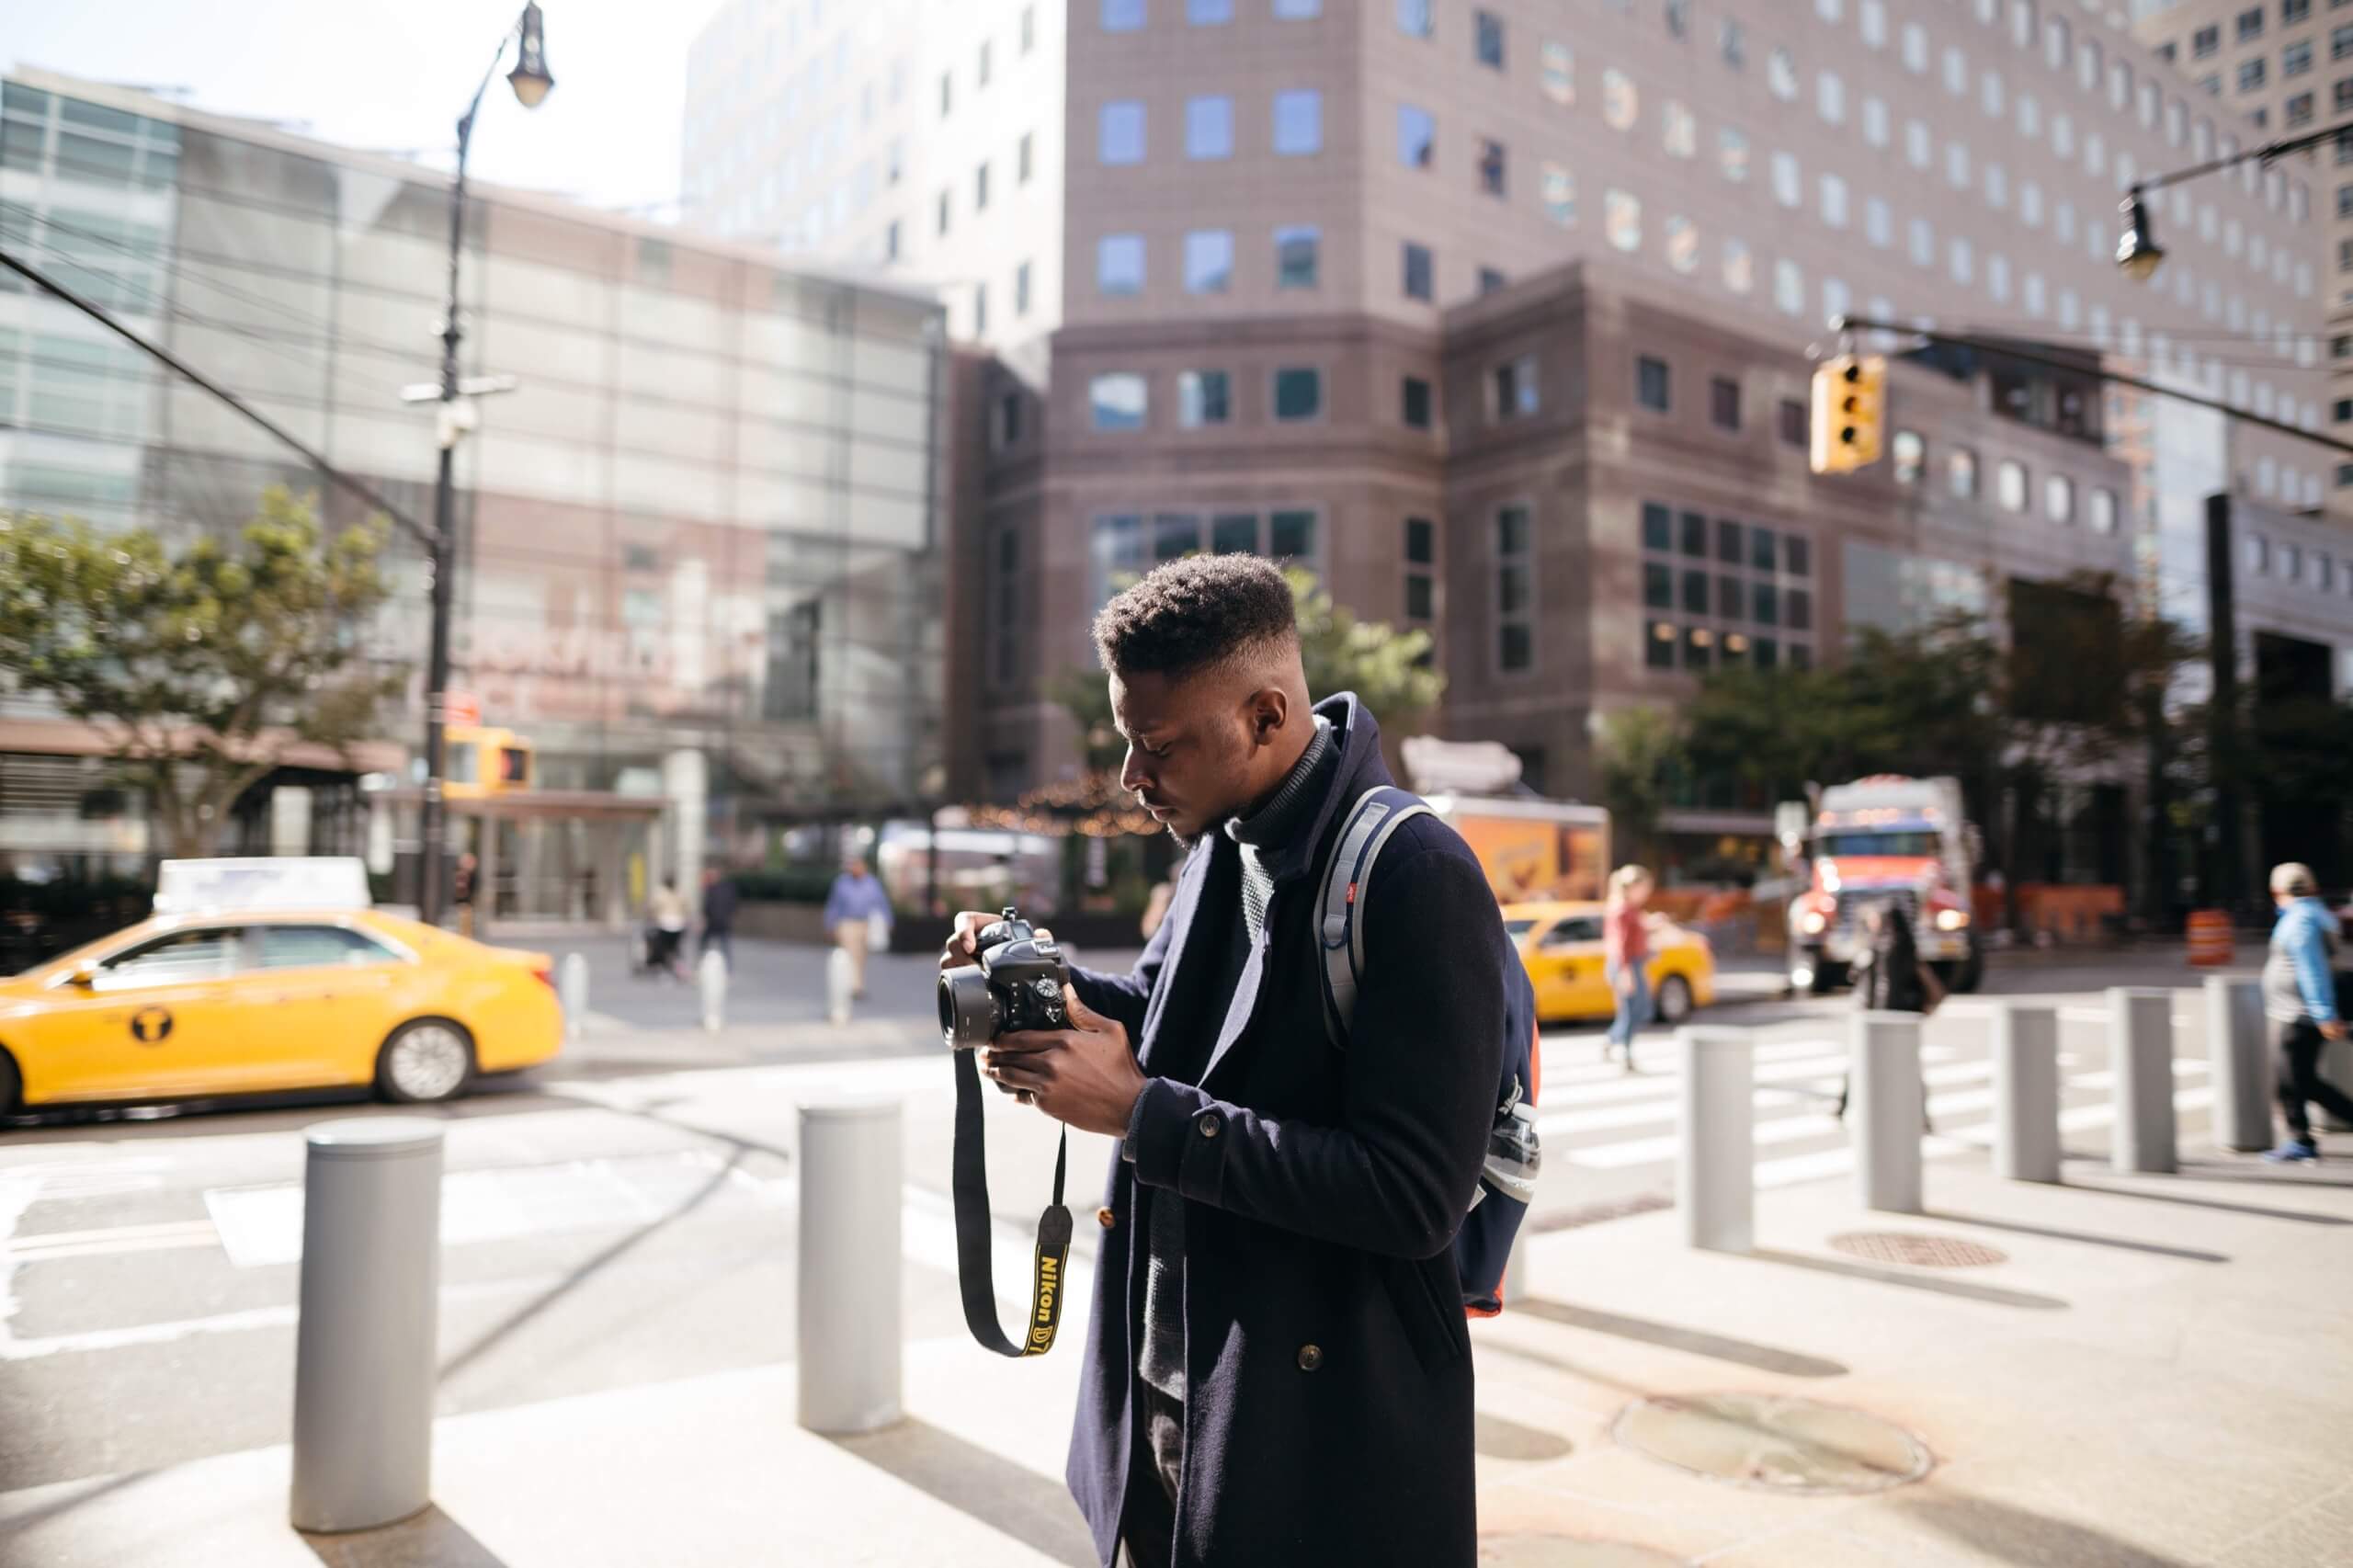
(2300,1001)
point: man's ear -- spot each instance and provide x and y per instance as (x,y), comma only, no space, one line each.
(1269,710)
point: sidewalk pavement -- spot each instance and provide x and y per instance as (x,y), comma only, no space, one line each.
(2137,1372)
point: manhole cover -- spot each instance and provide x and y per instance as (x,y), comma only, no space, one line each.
(1921,1252)
(1564,1552)
(1774,1442)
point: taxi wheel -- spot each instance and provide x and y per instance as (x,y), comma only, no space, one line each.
(424,1060)
(1673,999)
(10,1083)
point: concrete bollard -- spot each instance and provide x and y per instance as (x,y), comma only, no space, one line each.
(2238,1057)
(364,1342)
(2026,1091)
(572,989)
(710,974)
(848,1367)
(1715,1175)
(1888,1107)
(2140,1047)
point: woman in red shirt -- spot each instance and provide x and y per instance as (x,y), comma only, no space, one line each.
(1626,947)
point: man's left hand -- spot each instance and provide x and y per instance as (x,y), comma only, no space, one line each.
(1085,1075)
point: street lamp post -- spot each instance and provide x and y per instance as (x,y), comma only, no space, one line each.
(2137,250)
(530,81)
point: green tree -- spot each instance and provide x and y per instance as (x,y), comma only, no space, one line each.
(1086,696)
(1637,751)
(1381,665)
(202,667)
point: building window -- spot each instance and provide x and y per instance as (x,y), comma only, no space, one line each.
(1961,474)
(1491,279)
(2205,43)
(1119,265)
(1123,16)
(2294,11)
(1559,193)
(1209,127)
(2296,59)
(1119,132)
(2250,23)
(1025,155)
(1299,393)
(1416,137)
(1731,154)
(1658,645)
(2251,74)
(2009,485)
(1021,289)
(1299,122)
(1556,73)
(1491,166)
(1621,219)
(1209,261)
(1682,131)
(980,310)
(1297,10)
(1514,590)
(1650,388)
(1513,386)
(2299,110)
(2059,498)
(1911,453)
(1723,402)
(891,241)
(1208,13)
(940,219)
(1297,256)
(1413,402)
(1781,74)
(1117,400)
(1421,557)
(1487,39)
(1414,17)
(1420,269)
(1007,429)
(1795,430)
(947,94)
(1028,29)
(980,188)
(2103,510)
(1830,98)
(1203,397)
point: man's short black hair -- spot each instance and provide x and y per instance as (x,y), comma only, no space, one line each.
(1188,614)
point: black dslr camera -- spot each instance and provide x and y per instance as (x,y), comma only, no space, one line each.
(1016,984)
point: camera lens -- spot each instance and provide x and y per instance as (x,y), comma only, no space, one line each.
(968,1009)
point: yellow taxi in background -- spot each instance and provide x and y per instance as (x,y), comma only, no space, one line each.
(235,1001)
(1562,946)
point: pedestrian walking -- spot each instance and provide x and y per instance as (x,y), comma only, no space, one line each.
(462,893)
(719,898)
(1889,976)
(855,906)
(1626,953)
(2299,1002)
(666,944)
(1294,1384)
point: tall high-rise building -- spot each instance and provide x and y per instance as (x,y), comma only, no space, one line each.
(2281,68)
(1452,301)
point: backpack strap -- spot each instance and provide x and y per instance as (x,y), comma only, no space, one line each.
(1379,812)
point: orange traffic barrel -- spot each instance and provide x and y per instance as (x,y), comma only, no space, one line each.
(2209,937)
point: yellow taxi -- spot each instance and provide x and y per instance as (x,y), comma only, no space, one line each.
(1562,946)
(235,998)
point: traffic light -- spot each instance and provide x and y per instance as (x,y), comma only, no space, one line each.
(1849,406)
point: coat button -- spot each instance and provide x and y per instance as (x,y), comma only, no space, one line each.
(1208,1124)
(1310,1357)
(1105,1218)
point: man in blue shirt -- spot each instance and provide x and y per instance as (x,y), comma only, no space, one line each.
(2300,1000)
(856,898)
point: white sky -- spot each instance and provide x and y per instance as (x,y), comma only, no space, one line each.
(394,75)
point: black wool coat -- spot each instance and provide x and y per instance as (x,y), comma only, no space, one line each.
(1328,1413)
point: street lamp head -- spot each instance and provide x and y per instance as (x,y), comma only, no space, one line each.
(530,78)
(2138,254)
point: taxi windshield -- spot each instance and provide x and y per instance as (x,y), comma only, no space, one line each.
(1915,845)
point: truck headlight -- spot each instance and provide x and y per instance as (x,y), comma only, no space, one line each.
(1952,919)
(1812,922)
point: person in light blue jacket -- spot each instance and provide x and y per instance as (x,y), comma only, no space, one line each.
(2300,1000)
(856,899)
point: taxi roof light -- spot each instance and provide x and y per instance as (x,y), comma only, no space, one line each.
(262,883)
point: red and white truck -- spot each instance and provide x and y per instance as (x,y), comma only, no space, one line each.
(1885,839)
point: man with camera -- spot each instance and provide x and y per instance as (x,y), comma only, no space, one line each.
(1277,1368)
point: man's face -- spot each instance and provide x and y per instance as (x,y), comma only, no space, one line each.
(1189,748)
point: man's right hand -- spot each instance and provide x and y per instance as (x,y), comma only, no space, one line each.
(963,942)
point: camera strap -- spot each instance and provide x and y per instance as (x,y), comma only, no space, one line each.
(973,1269)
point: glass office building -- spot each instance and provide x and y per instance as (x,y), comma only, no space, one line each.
(706,520)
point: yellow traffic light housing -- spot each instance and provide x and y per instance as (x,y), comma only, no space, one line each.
(1849,409)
